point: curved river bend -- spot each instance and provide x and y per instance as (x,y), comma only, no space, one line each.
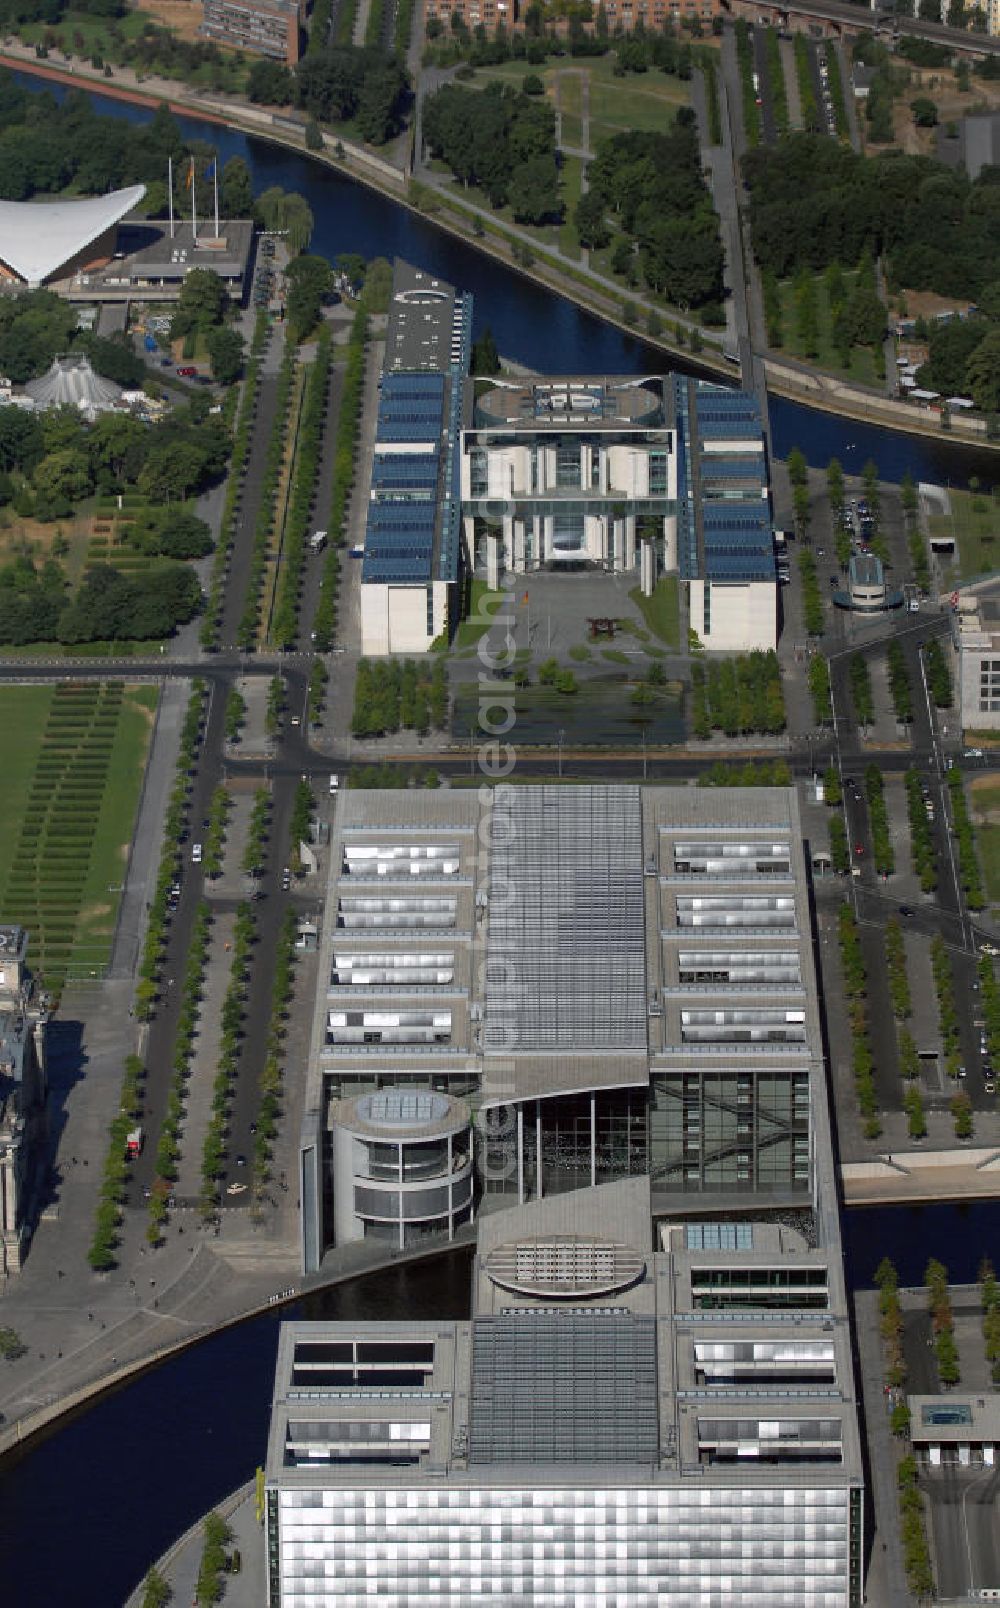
(88,1506)
(534,325)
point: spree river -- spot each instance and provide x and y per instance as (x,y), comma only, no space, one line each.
(87,1507)
(533,325)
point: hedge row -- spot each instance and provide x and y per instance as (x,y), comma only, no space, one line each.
(284,624)
(242,436)
(233,1012)
(856,989)
(269,1107)
(173,830)
(965,839)
(168,1149)
(111,1197)
(260,819)
(922,850)
(878,814)
(274,457)
(345,447)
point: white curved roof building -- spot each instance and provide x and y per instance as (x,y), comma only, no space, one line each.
(38,238)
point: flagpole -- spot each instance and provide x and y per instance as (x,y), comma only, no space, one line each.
(170,192)
(194,214)
(215,170)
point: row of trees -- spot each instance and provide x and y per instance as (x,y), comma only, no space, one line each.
(852,965)
(340,83)
(922,850)
(344,464)
(965,841)
(813,201)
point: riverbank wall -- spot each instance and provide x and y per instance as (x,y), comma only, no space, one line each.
(22,1431)
(810,389)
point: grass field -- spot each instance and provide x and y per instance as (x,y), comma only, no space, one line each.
(661,612)
(984,801)
(862,364)
(74,761)
(482,606)
(974,522)
(86,36)
(647,102)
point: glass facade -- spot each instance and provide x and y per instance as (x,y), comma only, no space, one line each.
(626,1548)
(733,1131)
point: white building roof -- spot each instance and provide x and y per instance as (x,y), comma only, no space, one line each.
(37,238)
(72,383)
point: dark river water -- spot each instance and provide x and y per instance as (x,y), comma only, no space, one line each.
(84,1510)
(533,325)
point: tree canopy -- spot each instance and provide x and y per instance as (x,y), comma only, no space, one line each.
(813,201)
(651,186)
(500,140)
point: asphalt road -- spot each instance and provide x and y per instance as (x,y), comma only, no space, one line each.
(965,1513)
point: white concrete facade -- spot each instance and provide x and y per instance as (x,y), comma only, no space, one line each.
(402,619)
(734,618)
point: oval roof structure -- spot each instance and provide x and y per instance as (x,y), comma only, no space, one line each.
(564,1265)
(38,237)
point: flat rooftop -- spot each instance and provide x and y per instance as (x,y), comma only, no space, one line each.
(573,404)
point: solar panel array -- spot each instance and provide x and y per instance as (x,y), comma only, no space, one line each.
(735,541)
(551,1386)
(566,949)
(414,520)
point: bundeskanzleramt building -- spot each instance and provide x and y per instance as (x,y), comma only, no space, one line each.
(636,476)
(604,996)
(23,1091)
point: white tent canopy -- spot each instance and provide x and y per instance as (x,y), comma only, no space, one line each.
(38,238)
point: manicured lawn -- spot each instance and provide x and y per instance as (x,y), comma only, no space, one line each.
(862,362)
(482,602)
(75,756)
(572,178)
(661,612)
(974,522)
(23,713)
(984,803)
(617,106)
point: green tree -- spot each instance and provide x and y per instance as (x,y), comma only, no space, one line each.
(925,112)
(236,189)
(983,373)
(201,303)
(485,357)
(63,476)
(314,135)
(225,349)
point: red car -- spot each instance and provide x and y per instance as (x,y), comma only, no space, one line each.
(187,373)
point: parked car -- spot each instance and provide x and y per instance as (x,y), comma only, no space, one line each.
(196,854)
(187,372)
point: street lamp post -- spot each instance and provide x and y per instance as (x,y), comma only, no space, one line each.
(561,735)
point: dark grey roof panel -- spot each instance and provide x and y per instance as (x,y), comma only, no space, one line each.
(551,1386)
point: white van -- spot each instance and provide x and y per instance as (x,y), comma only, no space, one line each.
(334,785)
